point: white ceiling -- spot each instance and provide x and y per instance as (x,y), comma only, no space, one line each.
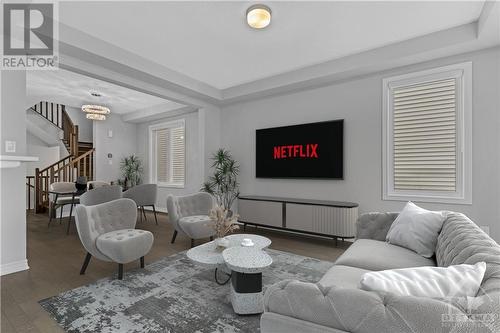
(73,89)
(210,42)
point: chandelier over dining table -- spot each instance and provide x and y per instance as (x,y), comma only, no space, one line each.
(96,112)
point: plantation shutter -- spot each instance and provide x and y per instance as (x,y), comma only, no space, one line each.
(162,155)
(178,155)
(425,136)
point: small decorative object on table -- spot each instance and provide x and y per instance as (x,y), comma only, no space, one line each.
(223,225)
(247,242)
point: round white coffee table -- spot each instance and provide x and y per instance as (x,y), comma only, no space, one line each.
(209,255)
(246,264)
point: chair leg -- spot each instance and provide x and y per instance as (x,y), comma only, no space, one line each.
(173,237)
(142,262)
(120,271)
(192,242)
(144,213)
(85,263)
(211,238)
(60,216)
(69,219)
(140,212)
(154,211)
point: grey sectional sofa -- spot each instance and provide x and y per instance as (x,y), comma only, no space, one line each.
(337,304)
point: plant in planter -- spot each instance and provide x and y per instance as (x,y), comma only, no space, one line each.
(223,185)
(223,224)
(131,168)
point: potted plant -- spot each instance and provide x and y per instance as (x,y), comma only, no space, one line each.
(131,168)
(223,185)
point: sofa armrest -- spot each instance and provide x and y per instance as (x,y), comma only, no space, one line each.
(374,225)
(355,310)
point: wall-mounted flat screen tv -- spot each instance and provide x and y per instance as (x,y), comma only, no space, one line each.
(314,150)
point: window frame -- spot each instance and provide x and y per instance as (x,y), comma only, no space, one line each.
(462,72)
(152,155)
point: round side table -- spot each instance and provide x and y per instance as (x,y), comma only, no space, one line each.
(247,265)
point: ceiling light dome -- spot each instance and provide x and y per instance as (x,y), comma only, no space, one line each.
(258,16)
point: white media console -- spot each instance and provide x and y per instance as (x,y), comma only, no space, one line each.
(318,217)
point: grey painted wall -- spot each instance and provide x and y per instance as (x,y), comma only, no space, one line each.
(121,144)
(12,180)
(85,126)
(193,157)
(359,102)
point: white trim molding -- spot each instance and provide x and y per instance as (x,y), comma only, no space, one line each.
(13,267)
(462,74)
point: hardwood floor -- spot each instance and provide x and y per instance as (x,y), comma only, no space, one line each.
(55,260)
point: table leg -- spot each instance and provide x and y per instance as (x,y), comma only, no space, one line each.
(246,293)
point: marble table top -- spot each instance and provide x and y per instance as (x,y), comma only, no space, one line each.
(209,255)
(246,259)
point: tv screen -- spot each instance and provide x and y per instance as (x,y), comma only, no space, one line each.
(312,150)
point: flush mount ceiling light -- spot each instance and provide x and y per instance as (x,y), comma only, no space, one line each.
(96,116)
(258,16)
(96,109)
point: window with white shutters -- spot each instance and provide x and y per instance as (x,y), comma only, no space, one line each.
(427,120)
(167,154)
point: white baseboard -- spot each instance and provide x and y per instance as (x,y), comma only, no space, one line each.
(13,267)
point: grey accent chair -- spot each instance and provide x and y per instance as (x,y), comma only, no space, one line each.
(337,304)
(107,231)
(189,215)
(144,195)
(60,197)
(100,195)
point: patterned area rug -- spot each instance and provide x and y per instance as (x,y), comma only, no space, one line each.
(170,295)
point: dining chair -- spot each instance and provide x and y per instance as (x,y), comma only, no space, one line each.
(95,184)
(144,195)
(62,194)
(100,195)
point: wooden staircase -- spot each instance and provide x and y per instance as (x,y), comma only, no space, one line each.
(79,162)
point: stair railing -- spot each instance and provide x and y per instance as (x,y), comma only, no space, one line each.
(66,170)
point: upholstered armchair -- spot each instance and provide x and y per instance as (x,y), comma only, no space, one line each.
(100,195)
(107,233)
(144,196)
(189,215)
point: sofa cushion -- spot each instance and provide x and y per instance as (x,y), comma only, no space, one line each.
(436,282)
(197,226)
(343,277)
(376,255)
(416,229)
(461,241)
(124,246)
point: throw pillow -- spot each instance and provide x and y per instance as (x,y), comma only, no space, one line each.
(416,229)
(436,282)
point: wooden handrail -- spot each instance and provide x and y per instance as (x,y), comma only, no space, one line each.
(56,163)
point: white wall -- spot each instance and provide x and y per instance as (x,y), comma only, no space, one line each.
(12,180)
(46,154)
(84,125)
(121,144)
(194,160)
(359,102)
